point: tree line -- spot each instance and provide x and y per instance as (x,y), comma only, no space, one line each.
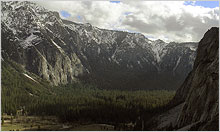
(78,101)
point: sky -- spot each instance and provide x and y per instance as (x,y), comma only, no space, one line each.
(180,21)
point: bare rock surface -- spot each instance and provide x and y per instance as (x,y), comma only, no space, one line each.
(198,97)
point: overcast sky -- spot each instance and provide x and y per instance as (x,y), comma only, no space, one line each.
(170,21)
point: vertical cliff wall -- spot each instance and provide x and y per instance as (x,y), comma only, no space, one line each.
(201,106)
(196,103)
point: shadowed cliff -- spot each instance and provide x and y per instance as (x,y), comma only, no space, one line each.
(195,105)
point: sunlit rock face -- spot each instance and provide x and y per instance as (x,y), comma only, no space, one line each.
(62,51)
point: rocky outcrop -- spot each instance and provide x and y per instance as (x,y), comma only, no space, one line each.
(201,105)
(27,40)
(62,51)
(198,97)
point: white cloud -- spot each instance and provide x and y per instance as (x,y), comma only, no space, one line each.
(167,20)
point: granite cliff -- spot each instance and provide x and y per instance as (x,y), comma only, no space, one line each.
(196,103)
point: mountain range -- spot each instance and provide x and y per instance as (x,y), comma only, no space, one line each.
(62,51)
(41,48)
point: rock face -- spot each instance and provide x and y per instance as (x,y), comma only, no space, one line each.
(62,51)
(198,97)
(27,39)
(202,101)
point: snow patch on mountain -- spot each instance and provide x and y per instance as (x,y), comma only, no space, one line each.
(193,48)
(29,77)
(58,47)
(157,47)
(99,50)
(30,41)
(177,63)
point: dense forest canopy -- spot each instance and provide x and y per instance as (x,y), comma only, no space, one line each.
(75,102)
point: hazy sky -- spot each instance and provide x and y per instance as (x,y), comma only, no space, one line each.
(166,20)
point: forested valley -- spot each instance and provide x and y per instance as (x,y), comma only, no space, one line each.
(77,102)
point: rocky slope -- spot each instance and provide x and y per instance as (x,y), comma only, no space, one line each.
(26,40)
(197,100)
(62,51)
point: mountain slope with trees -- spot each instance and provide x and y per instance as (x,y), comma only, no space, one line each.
(63,52)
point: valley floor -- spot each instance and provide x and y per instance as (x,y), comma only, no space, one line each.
(48,123)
